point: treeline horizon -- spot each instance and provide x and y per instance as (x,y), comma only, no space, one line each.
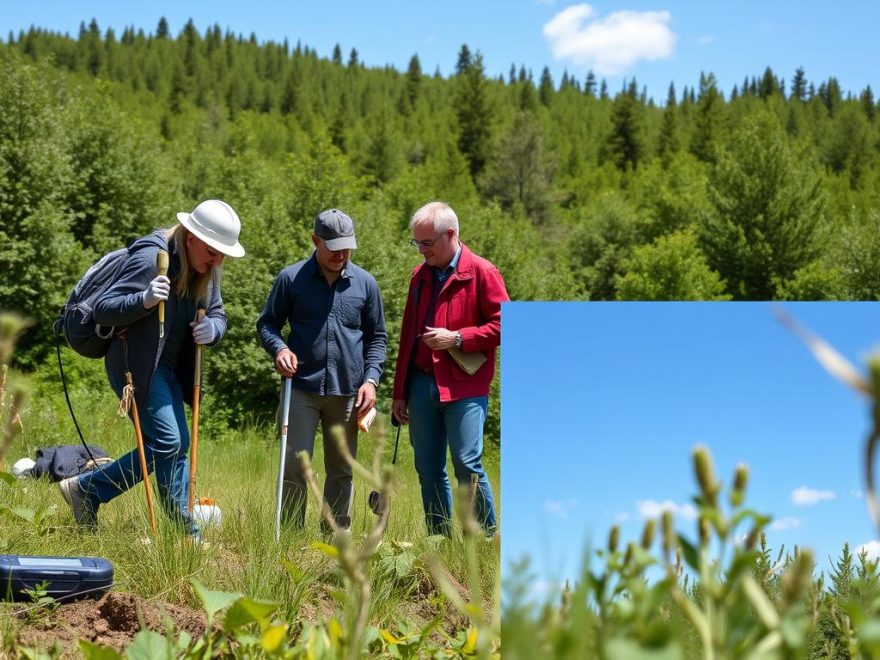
(761,85)
(773,193)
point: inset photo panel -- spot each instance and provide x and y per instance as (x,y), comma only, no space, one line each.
(689,479)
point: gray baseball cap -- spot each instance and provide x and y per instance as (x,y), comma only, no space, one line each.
(336,229)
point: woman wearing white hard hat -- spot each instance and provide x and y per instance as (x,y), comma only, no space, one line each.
(161,357)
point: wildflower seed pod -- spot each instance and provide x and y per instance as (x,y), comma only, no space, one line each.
(614,538)
(740,480)
(798,578)
(874,369)
(752,538)
(648,533)
(630,549)
(706,474)
(669,540)
(705,531)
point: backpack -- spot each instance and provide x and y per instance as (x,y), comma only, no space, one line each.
(77,321)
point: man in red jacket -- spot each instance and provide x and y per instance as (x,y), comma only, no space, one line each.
(454,300)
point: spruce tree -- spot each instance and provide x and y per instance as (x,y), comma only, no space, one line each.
(799,85)
(867,100)
(413,79)
(669,143)
(464,60)
(625,144)
(590,84)
(337,55)
(767,204)
(545,88)
(474,115)
(769,84)
(708,124)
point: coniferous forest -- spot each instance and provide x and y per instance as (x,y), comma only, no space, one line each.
(768,190)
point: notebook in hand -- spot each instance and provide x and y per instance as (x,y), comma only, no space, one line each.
(469,362)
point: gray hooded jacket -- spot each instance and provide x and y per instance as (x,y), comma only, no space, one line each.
(140,348)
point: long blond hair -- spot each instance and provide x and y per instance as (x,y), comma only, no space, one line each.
(190,283)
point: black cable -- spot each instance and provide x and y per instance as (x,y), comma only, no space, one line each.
(57,330)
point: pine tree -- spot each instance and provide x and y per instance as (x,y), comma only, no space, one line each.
(353,59)
(511,77)
(474,115)
(545,88)
(830,95)
(708,122)
(464,60)
(867,100)
(590,84)
(669,142)
(162,29)
(337,55)
(799,85)
(769,84)
(290,96)
(767,204)
(413,79)
(603,90)
(625,144)
(90,41)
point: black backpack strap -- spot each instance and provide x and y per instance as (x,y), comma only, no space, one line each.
(58,332)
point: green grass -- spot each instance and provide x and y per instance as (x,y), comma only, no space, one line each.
(238,468)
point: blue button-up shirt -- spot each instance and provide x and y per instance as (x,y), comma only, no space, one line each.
(337,331)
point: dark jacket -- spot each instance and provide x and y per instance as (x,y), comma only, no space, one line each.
(337,331)
(470,302)
(122,306)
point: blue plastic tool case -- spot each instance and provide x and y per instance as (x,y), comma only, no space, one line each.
(68,577)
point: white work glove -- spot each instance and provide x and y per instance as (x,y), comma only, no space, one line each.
(157,291)
(204,331)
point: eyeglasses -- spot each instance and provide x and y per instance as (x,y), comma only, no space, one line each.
(427,243)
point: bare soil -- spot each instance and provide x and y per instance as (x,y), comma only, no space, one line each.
(114,620)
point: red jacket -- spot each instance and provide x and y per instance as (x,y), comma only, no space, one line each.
(469,302)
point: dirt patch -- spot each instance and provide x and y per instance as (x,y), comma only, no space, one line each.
(114,620)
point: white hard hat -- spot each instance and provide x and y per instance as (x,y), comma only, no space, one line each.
(215,223)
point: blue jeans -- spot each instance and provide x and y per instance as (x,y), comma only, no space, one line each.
(459,424)
(166,444)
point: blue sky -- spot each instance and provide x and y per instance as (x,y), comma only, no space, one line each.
(658,41)
(602,404)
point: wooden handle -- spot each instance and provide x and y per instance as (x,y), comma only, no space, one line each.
(194,444)
(162,267)
(142,457)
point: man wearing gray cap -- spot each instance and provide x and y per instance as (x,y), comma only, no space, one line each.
(335,354)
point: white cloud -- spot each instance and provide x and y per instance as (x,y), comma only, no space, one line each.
(705,40)
(545,590)
(856,493)
(785,523)
(871,548)
(546,3)
(654,509)
(559,509)
(612,44)
(804,496)
(623,516)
